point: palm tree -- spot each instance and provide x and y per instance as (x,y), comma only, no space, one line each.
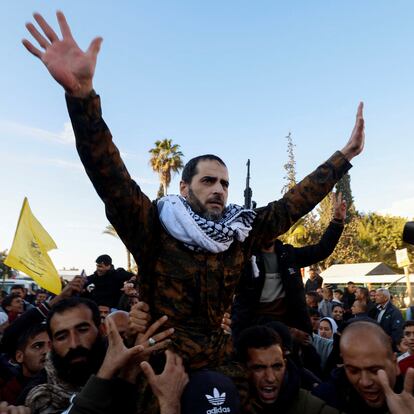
(109,229)
(166,158)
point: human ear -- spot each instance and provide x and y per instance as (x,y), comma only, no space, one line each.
(184,188)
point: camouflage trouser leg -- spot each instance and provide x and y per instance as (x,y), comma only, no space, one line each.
(238,375)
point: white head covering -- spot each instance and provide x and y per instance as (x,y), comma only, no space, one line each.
(332,322)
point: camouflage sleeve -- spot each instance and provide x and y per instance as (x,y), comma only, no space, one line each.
(278,216)
(128,209)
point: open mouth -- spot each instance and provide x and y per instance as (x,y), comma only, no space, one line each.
(268,393)
(371,397)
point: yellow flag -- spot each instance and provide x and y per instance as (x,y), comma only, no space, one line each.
(29,251)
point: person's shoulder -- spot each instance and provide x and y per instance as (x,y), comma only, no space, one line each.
(39,379)
(122,273)
(393,309)
(312,404)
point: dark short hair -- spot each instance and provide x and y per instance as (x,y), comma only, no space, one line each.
(408,323)
(258,336)
(190,169)
(104,259)
(7,301)
(337,305)
(71,303)
(313,294)
(29,334)
(17,287)
(314,312)
(350,283)
(364,291)
(340,291)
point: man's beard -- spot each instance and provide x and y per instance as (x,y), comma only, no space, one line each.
(78,373)
(201,210)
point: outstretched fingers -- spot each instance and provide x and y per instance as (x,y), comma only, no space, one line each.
(112,332)
(148,371)
(37,35)
(32,49)
(154,327)
(360,110)
(385,384)
(95,47)
(63,24)
(409,381)
(360,123)
(47,30)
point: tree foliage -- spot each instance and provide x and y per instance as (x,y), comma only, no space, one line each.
(290,165)
(380,236)
(6,272)
(366,237)
(109,229)
(166,159)
(344,186)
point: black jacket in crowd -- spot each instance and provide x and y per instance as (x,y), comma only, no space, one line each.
(107,288)
(392,322)
(290,260)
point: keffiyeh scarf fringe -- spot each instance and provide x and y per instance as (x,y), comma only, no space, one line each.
(200,234)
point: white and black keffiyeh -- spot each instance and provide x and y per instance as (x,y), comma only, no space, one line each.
(200,234)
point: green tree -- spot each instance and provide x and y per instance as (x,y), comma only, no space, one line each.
(166,159)
(297,234)
(344,186)
(6,272)
(349,248)
(380,236)
(109,229)
(324,211)
(290,166)
(160,192)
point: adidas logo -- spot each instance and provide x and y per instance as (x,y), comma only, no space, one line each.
(216,398)
(218,410)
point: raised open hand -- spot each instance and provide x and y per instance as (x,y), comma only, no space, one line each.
(356,142)
(66,62)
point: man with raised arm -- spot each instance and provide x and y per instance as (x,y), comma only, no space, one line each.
(190,248)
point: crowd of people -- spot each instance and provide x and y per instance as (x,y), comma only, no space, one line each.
(96,349)
(218,319)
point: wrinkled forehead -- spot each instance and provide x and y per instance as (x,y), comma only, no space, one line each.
(71,317)
(211,168)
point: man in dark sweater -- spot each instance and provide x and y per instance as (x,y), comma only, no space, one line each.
(271,286)
(104,286)
(315,280)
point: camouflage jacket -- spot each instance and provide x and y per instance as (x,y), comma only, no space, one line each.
(193,289)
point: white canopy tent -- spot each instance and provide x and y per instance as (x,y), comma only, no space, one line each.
(361,274)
